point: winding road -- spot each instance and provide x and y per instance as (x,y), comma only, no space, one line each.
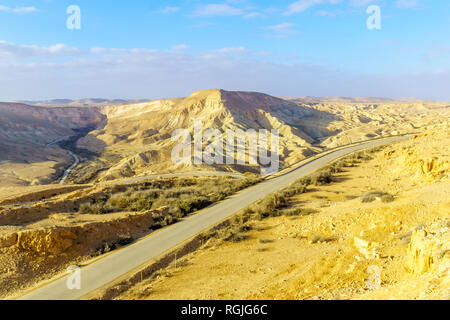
(121,262)
(76,159)
(74,164)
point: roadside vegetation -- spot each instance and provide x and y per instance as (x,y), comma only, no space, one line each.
(277,204)
(182,195)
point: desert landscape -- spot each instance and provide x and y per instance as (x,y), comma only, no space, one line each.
(227,159)
(385,211)
(122,141)
(125,187)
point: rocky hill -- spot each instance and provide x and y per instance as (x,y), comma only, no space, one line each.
(142,133)
(87,102)
(136,139)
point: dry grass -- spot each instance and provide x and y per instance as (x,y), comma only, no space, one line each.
(183,196)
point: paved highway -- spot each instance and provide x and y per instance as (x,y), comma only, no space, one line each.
(115,265)
(76,161)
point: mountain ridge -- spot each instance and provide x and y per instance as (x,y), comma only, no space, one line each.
(135,139)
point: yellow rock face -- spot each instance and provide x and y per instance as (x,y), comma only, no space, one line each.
(46,240)
(420,253)
(426,249)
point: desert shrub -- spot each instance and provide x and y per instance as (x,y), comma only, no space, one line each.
(182,195)
(248,213)
(342,163)
(90,208)
(85,208)
(106,247)
(124,240)
(297,212)
(250,175)
(377,195)
(318,238)
(322,178)
(386,198)
(160,221)
(119,200)
(191,205)
(140,204)
(336,167)
(305,181)
(168,220)
(268,207)
(294,190)
(234,233)
(132,200)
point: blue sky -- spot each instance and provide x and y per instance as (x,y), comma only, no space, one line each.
(156,49)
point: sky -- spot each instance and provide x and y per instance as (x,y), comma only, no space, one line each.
(149,49)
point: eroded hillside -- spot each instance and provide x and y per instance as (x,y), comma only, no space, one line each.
(141,134)
(137,138)
(28,153)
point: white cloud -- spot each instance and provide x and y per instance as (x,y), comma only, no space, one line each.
(120,51)
(168,10)
(281,30)
(303,5)
(282,27)
(212,10)
(17,9)
(406,4)
(361,3)
(330,14)
(231,9)
(229,50)
(172,73)
(180,47)
(253,14)
(8,49)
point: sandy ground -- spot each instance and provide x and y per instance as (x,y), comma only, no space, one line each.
(347,250)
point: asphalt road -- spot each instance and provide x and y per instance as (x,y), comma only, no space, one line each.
(115,265)
(76,161)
